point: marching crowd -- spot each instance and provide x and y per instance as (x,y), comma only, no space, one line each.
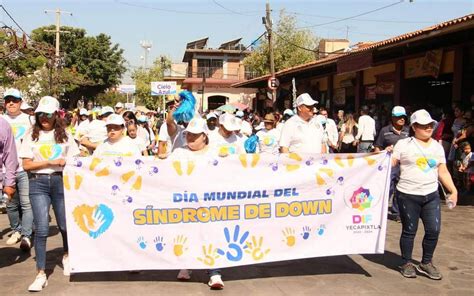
(35,143)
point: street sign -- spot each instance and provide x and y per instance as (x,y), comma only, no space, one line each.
(273,83)
(159,88)
(127,88)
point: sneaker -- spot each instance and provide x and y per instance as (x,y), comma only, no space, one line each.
(40,282)
(429,270)
(184,275)
(25,244)
(14,239)
(408,270)
(66,267)
(215,282)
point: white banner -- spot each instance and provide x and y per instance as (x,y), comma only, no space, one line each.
(139,214)
(159,88)
(127,88)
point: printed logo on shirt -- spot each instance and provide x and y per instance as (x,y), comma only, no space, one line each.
(50,151)
(268,141)
(425,164)
(225,150)
(18,131)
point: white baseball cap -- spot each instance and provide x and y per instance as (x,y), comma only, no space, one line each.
(197,126)
(305,99)
(211,115)
(261,126)
(48,105)
(142,118)
(115,119)
(119,105)
(83,111)
(105,110)
(239,114)
(421,117)
(12,92)
(398,111)
(230,122)
(25,106)
(288,112)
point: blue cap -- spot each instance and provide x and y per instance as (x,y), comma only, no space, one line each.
(398,111)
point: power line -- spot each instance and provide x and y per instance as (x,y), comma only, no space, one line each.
(9,15)
(225,8)
(354,16)
(361,20)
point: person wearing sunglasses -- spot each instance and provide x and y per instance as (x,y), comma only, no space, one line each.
(422,164)
(19,210)
(44,151)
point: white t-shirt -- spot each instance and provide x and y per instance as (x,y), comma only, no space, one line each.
(331,132)
(147,137)
(268,141)
(139,142)
(185,154)
(246,128)
(179,140)
(366,128)
(46,148)
(20,128)
(81,129)
(348,138)
(96,131)
(418,166)
(225,146)
(300,136)
(124,147)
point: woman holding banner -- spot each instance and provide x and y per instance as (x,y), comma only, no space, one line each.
(197,148)
(44,151)
(422,165)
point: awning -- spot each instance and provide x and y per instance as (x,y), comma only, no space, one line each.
(353,63)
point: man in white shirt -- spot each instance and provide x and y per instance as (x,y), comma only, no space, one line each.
(21,224)
(96,132)
(302,133)
(225,142)
(366,131)
(330,129)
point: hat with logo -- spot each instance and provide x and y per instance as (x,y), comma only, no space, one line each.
(421,117)
(239,114)
(48,105)
(398,111)
(305,99)
(115,119)
(119,105)
(25,106)
(83,111)
(105,110)
(12,92)
(211,115)
(269,118)
(197,126)
(288,112)
(230,122)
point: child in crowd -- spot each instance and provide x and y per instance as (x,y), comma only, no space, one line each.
(132,133)
(466,167)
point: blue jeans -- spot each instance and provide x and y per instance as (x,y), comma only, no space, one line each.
(21,202)
(394,178)
(364,147)
(412,208)
(45,191)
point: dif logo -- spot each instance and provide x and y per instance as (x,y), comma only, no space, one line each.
(361,219)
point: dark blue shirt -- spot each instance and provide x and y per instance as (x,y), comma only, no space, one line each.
(388,136)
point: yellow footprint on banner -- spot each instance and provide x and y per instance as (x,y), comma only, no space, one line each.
(95,161)
(255,160)
(293,166)
(350,159)
(209,255)
(77,181)
(179,245)
(125,177)
(103,172)
(138,184)
(369,160)
(295,156)
(67,186)
(320,180)
(338,161)
(327,171)
(289,235)
(177,165)
(255,249)
(191,166)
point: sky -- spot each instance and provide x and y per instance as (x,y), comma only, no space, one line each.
(169,25)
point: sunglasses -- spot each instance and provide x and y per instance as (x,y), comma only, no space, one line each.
(12,99)
(47,115)
(424,126)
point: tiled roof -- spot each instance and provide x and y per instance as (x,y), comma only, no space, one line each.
(372,46)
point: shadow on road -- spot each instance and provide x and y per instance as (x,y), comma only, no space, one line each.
(311,266)
(12,255)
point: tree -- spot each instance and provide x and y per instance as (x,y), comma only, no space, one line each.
(94,59)
(291,47)
(143,78)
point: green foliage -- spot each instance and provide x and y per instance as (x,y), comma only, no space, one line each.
(286,54)
(143,77)
(110,98)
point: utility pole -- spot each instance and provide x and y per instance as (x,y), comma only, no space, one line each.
(147,47)
(58,27)
(267,21)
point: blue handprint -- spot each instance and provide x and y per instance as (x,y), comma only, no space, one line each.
(306,232)
(320,230)
(159,245)
(235,247)
(141,242)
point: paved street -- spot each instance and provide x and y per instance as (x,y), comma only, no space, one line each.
(349,275)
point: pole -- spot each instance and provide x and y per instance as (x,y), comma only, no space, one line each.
(268,26)
(203,86)
(58,27)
